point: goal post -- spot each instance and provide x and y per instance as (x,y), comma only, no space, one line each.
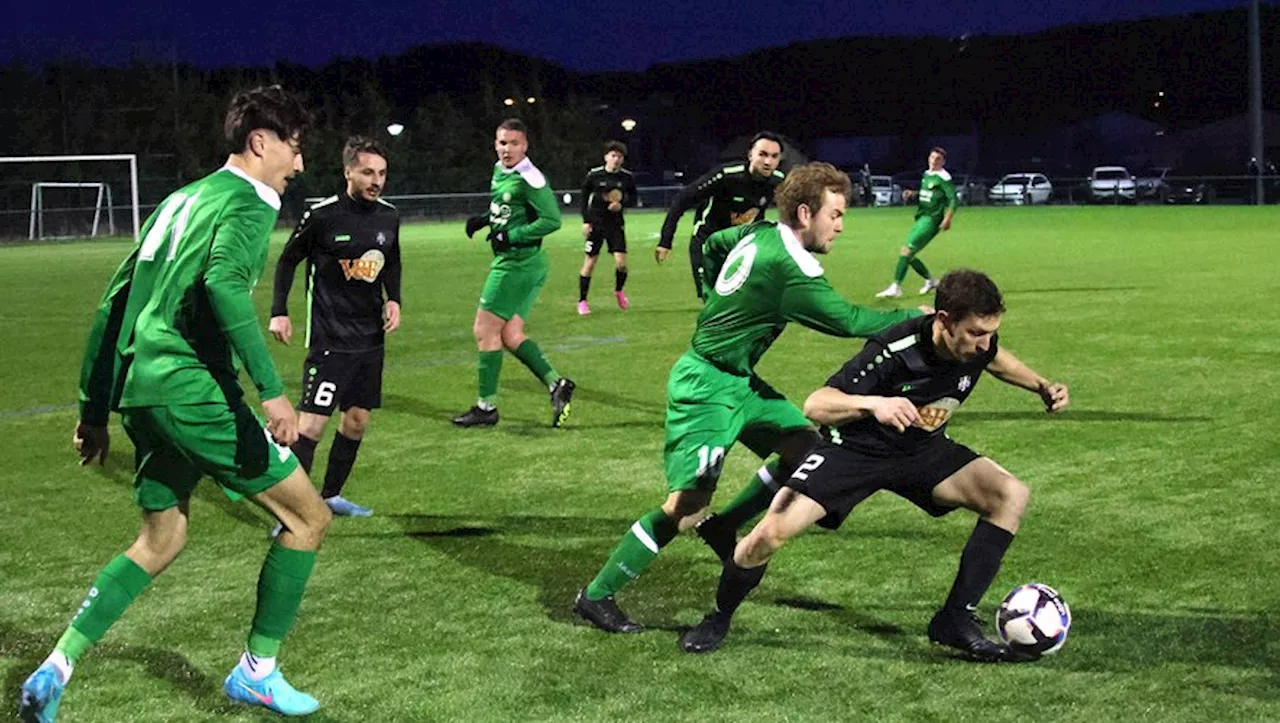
(104,190)
(35,229)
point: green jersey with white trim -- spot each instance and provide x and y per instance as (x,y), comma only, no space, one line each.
(522,204)
(759,277)
(937,195)
(178,316)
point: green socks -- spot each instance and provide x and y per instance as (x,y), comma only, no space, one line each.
(920,268)
(634,552)
(531,356)
(280,587)
(900,273)
(754,498)
(113,591)
(490,368)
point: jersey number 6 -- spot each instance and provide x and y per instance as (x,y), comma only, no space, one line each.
(737,266)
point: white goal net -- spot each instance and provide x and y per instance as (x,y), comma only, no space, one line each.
(58,197)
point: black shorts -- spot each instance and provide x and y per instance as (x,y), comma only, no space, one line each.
(839,478)
(341,380)
(602,234)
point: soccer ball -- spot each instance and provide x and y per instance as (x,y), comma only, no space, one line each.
(1034,619)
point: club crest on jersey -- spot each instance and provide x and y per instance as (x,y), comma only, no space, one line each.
(381,238)
(763,200)
(366,268)
(506,197)
(935,414)
(965,383)
(744,218)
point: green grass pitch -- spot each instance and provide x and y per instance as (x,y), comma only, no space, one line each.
(1153,511)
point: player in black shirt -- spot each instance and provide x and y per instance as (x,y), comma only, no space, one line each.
(884,419)
(351,243)
(731,194)
(606,191)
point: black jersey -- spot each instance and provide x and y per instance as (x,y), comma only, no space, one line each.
(729,195)
(352,250)
(902,362)
(600,188)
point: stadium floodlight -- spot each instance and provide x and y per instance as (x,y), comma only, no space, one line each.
(628,124)
(531,100)
(508,101)
(395,129)
(37,209)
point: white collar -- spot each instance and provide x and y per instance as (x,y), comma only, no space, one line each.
(265,192)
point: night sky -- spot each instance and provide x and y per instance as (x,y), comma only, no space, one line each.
(602,35)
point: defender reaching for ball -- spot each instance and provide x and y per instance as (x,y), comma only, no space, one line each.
(884,422)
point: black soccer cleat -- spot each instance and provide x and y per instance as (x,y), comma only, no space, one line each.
(719,535)
(477,417)
(561,396)
(706,635)
(963,631)
(604,614)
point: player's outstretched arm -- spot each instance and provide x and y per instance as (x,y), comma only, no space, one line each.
(832,407)
(1011,370)
(810,301)
(688,197)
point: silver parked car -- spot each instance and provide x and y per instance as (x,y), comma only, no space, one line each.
(1112,183)
(1021,189)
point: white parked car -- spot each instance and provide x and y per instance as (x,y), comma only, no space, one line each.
(885,192)
(1112,183)
(1021,188)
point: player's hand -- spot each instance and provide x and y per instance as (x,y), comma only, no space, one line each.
(616,206)
(896,412)
(945,225)
(1055,396)
(281,328)
(661,253)
(91,442)
(926,309)
(475,223)
(586,230)
(282,421)
(391,312)
(908,194)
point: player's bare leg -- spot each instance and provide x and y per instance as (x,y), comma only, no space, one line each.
(1000,499)
(631,557)
(789,514)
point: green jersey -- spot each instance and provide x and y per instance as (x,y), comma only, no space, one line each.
(764,278)
(937,195)
(178,312)
(523,205)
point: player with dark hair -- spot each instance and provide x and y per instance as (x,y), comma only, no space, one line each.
(351,243)
(934,212)
(731,194)
(163,352)
(761,276)
(884,426)
(522,211)
(606,191)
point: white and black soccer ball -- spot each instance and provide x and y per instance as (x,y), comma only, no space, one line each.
(1034,619)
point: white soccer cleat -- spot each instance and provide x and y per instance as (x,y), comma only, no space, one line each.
(929,285)
(893,292)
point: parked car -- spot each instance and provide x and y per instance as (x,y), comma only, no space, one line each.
(1151,182)
(1112,183)
(970,190)
(1021,188)
(1186,189)
(885,191)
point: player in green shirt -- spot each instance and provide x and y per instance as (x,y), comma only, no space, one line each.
(758,277)
(163,352)
(933,214)
(522,211)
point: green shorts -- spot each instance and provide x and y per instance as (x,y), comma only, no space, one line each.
(708,410)
(175,446)
(513,285)
(925,228)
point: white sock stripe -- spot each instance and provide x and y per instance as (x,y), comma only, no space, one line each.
(643,536)
(766,478)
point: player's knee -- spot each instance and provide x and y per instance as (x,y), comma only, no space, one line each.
(765,539)
(685,503)
(905,251)
(1010,497)
(354,422)
(513,338)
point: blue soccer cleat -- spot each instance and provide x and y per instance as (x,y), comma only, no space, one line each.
(272,692)
(40,695)
(343,507)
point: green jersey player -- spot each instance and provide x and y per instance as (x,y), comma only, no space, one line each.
(522,211)
(162,352)
(933,214)
(760,277)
